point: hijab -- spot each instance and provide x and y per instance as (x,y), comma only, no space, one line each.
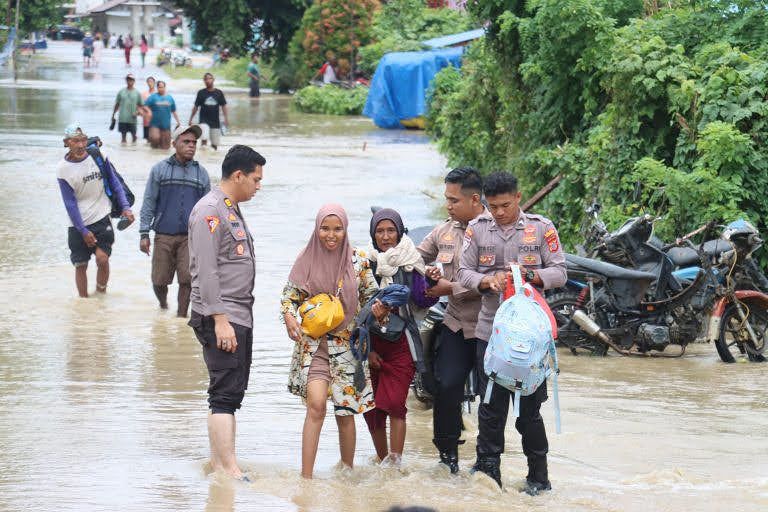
(387,214)
(318,270)
(404,255)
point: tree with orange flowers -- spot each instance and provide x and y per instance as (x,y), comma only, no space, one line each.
(332,28)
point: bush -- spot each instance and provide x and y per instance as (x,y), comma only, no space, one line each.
(401,26)
(661,111)
(330,99)
(338,27)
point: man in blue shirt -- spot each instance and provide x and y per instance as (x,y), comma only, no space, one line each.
(162,106)
(174,186)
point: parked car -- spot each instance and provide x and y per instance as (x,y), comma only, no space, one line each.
(71,32)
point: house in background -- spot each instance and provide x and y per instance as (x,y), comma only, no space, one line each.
(152,18)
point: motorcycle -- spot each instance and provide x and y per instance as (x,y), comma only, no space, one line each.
(643,309)
(618,248)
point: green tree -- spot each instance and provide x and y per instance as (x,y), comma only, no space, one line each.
(401,25)
(643,106)
(338,27)
(34,15)
(232,23)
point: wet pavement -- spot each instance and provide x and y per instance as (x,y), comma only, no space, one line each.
(103,400)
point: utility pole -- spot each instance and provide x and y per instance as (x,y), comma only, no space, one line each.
(16,46)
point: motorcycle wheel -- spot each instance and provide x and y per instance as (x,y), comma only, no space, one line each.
(563,304)
(734,340)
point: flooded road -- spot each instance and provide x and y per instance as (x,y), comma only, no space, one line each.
(102,401)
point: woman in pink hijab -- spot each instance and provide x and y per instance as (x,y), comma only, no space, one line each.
(324,368)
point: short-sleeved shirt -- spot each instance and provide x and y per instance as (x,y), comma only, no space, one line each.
(489,248)
(221,259)
(253,69)
(161,107)
(209,103)
(443,246)
(85,179)
(129,101)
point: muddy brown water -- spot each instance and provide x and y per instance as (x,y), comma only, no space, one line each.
(102,401)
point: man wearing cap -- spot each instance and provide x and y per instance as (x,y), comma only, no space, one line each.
(88,206)
(129,102)
(209,100)
(222,266)
(175,184)
(163,106)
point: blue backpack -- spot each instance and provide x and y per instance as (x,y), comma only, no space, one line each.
(521,351)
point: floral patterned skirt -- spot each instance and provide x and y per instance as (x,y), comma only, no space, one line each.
(347,400)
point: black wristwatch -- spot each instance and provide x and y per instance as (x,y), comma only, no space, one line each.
(529,275)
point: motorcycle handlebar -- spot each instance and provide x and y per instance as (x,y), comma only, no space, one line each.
(686,238)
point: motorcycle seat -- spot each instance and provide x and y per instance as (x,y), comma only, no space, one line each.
(607,269)
(687,257)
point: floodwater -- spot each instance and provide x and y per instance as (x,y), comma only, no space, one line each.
(102,401)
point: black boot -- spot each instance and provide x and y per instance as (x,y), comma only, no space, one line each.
(450,457)
(538,476)
(489,466)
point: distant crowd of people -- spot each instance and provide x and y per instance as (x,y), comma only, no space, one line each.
(93,45)
(156,107)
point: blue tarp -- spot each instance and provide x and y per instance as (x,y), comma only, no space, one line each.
(399,86)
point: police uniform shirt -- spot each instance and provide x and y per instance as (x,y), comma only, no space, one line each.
(533,243)
(444,245)
(221,260)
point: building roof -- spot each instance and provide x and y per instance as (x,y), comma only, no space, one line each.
(454,39)
(114,3)
(106,6)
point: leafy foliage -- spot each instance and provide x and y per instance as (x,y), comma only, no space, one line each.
(232,23)
(35,14)
(401,25)
(332,27)
(641,107)
(331,99)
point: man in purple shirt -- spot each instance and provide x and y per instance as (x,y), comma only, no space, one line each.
(88,207)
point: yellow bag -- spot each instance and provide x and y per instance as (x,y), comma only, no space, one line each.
(321,314)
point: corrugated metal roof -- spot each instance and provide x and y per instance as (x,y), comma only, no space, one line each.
(106,6)
(454,39)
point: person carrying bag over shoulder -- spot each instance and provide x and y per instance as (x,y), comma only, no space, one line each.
(328,275)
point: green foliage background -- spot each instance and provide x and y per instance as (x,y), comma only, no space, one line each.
(34,15)
(401,25)
(340,27)
(331,99)
(645,109)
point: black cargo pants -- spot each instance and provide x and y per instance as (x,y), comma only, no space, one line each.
(455,359)
(493,418)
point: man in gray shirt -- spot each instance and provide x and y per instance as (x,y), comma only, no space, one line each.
(221,262)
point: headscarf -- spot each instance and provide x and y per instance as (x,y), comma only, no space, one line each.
(386,214)
(404,255)
(318,270)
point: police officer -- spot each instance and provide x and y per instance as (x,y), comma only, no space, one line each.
(222,268)
(456,345)
(491,244)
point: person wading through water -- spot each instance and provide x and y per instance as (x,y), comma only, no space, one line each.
(324,368)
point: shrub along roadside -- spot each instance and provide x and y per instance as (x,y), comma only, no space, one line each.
(331,99)
(661,111)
